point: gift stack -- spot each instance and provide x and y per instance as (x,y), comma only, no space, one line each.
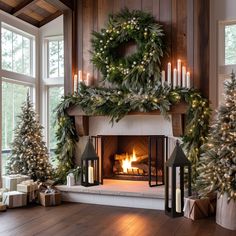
(49,196)
(10,196)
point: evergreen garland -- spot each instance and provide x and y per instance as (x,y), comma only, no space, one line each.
(137,69)
(116,103)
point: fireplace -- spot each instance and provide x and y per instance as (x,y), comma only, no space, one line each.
(132,157)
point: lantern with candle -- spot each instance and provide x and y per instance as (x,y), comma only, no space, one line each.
(89,166)
(177,161)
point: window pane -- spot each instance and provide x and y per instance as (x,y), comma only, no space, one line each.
(230,44)
(55,58)
(6,49)
(16,52)
(55,94)
(13,95)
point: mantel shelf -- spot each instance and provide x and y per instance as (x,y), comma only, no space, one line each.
(177,114)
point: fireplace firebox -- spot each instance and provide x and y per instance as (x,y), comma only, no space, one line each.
(132,157)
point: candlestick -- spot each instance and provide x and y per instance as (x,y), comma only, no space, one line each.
(178,200)
(90,175)
(188,82)
(75,83)
(179,71)
(174,78)
(183,76)
(169,73)
(87,79)
(163,77)
(80,76)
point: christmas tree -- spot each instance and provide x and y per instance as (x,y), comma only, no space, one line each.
(217,166)
(29,154)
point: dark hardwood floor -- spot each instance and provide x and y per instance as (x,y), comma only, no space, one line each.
(93,220)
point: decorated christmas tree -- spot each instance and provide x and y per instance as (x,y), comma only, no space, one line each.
(29,154)
(218,163)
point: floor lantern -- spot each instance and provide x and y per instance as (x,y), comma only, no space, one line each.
(89,166)
(177,162)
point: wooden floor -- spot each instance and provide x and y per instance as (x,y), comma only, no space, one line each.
(93,220)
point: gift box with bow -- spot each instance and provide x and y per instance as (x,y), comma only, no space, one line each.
(50,197)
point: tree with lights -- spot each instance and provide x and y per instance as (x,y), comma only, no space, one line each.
(217,167)
(29,154)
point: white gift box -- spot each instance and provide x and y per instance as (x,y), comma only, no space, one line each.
(30,187)
(70,180)
(14,199)
(10,181)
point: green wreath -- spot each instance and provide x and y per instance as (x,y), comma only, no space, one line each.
(134,70)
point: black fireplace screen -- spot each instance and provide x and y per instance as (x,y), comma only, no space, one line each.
(132,157)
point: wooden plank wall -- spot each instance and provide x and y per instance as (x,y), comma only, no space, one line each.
(185,23)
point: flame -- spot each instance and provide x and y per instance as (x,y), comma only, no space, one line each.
(126,163)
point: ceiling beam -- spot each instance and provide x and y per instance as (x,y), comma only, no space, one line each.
(50,18)
(16,11)
(61,5)
(5,7)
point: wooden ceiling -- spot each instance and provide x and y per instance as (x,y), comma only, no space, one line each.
(36,12)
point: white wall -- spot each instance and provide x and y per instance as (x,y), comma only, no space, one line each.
(220,10)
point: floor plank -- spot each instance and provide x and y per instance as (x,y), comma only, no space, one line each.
(88,220)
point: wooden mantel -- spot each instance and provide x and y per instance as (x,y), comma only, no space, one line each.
(177,113)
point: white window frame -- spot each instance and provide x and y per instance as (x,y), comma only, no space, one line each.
(25,29)
(47,83)
(224,71)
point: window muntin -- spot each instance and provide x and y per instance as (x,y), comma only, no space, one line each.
(17,51)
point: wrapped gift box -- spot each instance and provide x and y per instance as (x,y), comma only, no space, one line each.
(14,199)
(30,188)
(3,207)
(199,208)
(10,181)
(50,197)
(2,190)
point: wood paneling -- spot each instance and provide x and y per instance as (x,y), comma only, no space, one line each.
(185,22)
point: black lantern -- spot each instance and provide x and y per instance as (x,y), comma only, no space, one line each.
(89,166)
(176,160)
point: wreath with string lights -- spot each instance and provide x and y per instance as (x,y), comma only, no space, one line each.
(135,70)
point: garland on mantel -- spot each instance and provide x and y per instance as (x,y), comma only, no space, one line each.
(136,86)
(116,103)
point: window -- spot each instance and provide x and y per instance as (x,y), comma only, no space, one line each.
(17,78)
(226,55)
(16,50)
(230,44)
(55,58)
(54,86)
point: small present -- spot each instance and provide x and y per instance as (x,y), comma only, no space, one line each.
(195,208)
(2,190)
(10,181)
(2,207)
(14,199)
(30,187)
(50,197)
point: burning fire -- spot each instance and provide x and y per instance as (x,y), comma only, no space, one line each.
(126,163)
